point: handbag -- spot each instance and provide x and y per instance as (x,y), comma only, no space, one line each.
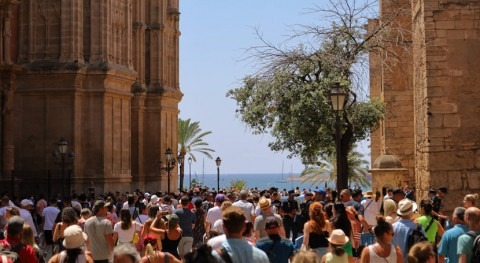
(135,238)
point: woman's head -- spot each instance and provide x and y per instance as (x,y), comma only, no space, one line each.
(389,207)
(69,215)
(383,230)
(306,257)
(317,217)
(225,205)
(329,210)
(426,206)
(470,200)
(337,240)
(421,252)
(11,211)
(126,219)
(248,229)
(198,204)
(27,235)
(339,209)
(153,210)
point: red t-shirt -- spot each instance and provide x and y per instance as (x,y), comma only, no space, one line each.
(26,253)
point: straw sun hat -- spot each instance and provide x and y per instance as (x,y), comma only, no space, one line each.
(74,237)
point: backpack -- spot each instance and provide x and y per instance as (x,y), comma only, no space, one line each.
(8,254)
(415,236)
(476,246)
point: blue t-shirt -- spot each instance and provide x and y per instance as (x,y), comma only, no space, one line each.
(448,245)
(465,245)
(277,251)
(402,229)
(241,251)
(185,220)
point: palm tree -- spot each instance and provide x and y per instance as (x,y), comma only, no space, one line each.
(190,140)
(238,184)
(325,171)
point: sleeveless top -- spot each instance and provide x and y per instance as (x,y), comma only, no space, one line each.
(376,258)
(318,240)
(332,258)
(81,258)
(170,246)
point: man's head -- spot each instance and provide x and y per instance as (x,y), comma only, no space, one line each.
(264,204)
(184,201)
(100,208)
(233,221)
(398,194)
(320,195)
(344,195)
(308,196)
(27,204)
(15,226)
(472,218)
(390,191)
(442,191)
(243,195)
(357,195)
(458,215)
(126,253)
(219,199)
(291,194)
(405,209)
(271,226)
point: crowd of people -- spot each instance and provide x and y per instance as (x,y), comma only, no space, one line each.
(231,226)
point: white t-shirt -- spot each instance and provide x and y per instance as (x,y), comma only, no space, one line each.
(214,214)
(247,208)
(216,242)
(125,236)
(370,211)
(50,213)
(25,214)
(218,225)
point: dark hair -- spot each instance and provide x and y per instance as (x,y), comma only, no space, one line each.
(69,215)
(126,219)
(340,219)
(382,227)
(248,228)
(329,210)
(427,206)
(152,211)
(72,254)
(201,254)
(337,249)
(198,203)
(233,219)
(184,201)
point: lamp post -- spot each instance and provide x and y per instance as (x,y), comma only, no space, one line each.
(170,165)
(190,172)
(181,163)
(63,158)
(338,96)
(218,161)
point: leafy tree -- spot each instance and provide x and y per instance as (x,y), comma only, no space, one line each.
(238,184)
(325,170)
(190,141)
(288,96)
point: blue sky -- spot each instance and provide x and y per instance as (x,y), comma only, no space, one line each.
(215,34)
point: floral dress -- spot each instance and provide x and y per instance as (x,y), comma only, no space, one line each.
(199,229)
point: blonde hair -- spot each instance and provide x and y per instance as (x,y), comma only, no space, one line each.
(306,257)
(420,252)
(472,198)
(389,207)
(226,204)
(28,238)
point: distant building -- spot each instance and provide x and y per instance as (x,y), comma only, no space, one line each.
(103,75)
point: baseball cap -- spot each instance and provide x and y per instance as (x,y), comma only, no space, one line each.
(220,198)
(320,191)
(26,202)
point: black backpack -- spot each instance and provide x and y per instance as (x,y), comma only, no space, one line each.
(415,236)
(475,247)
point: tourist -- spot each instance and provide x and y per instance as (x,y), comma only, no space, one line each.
(470,200)
(85,214)
(126,229)
(201,254)
(447,251)
(215,212)
(421,253)
(382,250)
(74,243)
(278,249)
(100,233)
(49,214)
(143,213)
(29,239)
(246,206)
(234,247)
(288,210)
(430,225)
(316,230)
(126,253)
(465,241)
(370,209)
(186,222)
(26,208)
(199,228)
(404,226)
(171,236)
(341,221)
(337,253)
(306,256)
(438,204)
(69,218)
(389,194)
(153,253)
(390,211)
(218,225)
(320,196)
(249,234)
(13,241)
(259,224)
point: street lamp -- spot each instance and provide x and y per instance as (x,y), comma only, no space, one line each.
(218,161)
(181,159)
(190,171)
(338,97)
(169,167)
(63,158)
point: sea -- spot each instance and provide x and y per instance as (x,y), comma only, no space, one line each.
(261,181)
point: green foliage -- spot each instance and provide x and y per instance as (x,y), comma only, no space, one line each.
(190,139)
(325,171)
(238,184)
